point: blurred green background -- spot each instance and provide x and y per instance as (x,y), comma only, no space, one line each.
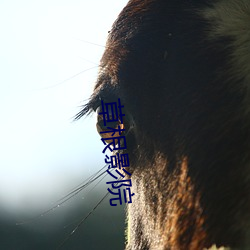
(104,229)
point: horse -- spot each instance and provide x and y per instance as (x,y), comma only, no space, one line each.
(181,68)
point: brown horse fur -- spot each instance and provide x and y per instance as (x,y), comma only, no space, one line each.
(182,70)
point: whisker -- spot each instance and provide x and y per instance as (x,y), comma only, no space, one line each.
(98,182)
(85,41)
(79,189)
(107,47)
(84,219)
(86,194)
(68,79)
(87,60)
(83,185)
(70,195)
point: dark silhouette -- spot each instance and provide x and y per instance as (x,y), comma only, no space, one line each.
(182,70)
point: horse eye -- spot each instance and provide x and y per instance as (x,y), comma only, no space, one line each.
(112,128)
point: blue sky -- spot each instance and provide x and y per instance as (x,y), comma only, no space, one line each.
(42,152)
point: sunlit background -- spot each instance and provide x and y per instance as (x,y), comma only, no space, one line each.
(49,57)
